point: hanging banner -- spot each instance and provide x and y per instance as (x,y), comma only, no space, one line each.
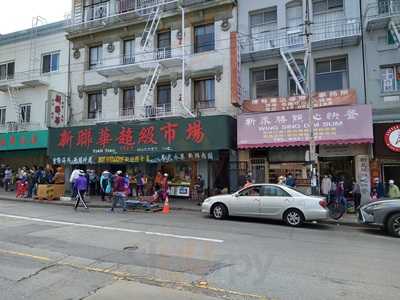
(57,109)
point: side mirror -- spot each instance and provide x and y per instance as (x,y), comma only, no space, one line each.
(236,195)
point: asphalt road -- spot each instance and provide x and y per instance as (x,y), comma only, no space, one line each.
(53,252)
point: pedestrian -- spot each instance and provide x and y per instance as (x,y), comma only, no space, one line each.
(59,176)
(80,186)
(380,188)
(326,185)
(139,184)
(8,174)
(92,182)
(340,193)
(105,185)
(356,192)
(394,191)
(74,176)
(291,180)
(199,188)
(31,183)
(164,187)
(119,191)
(248,182)
(2,169)
(282,180)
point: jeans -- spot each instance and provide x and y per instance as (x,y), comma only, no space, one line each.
(119,197)
(7,183)
(73,189)
(31,190)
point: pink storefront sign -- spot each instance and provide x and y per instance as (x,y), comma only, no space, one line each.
(333,125)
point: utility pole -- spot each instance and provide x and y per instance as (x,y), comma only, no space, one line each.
(307,64)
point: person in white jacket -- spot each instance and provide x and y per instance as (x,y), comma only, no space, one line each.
(326,185)
(72,178)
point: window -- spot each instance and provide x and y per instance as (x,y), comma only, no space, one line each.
(95,56)
(7,71)
(391,39)
(390,79)
(128,102)
(251,191)
(265,83)
(274,191)
(94,105)
(204,38)
(3,115)
(129,52)
(204,93)
(164,45)
(126,5)
(331,74)
(25,113)
(50,62)
(164,96)
(263,17)
(293,88)
(323,6)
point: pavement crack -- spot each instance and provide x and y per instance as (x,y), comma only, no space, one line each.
(37,272)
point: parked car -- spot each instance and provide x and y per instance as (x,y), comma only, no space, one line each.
(271,201)
(384,213)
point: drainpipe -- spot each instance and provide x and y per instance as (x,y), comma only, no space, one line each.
(363,52)
(69,87)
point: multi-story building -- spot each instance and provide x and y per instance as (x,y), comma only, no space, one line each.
(150,89)
(33,68)
(382,71)
(273,128)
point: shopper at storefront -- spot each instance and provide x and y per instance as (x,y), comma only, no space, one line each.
(119,191)
(140,184)
(105,185)
(291,180)
(8,174)
(356,193)
(380,188)
(199,190)
(80,186)
(394,191)
(326,185)
(74,176)
(164,187)
(59,177)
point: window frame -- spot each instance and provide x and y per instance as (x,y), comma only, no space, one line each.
(396,83)
(284,193)
(51,54)
(198,48)
(99,60)
(328,9)
(247,189)
(164,52)
(7,73)
(330,59)
(23,120)
(128,110)
(263,12)
(210,102)
(254,81)
(166,86)
(94,114)
(128,58)
(3,115)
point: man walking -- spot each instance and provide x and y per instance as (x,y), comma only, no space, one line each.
(80,187)
(74,176)
(119,191)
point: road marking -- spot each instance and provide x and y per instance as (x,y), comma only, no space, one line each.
(196,287)
(170,235)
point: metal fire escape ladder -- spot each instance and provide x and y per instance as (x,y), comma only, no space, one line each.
(151,82)
(294,70)
(151,26)
(394,29)
(12,93)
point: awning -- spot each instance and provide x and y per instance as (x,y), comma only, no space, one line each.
(332,126)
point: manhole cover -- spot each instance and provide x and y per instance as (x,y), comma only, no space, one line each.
(131,248)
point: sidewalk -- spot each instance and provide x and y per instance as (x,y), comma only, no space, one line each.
(175,204)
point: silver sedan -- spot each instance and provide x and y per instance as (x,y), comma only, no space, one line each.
(271,201)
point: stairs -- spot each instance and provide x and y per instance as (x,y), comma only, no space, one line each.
(150,84)
(12,92)
(294,69)
(150,29)
(394,29)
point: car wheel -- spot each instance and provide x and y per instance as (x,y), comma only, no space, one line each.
(293,217)
(393,225)
(219,211)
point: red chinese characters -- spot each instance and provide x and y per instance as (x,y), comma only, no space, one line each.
(169,131)
(65,138)
(85,138)
(194,132)
(33,139)
(12,140)
(147,136)
(104,138)
(125,138)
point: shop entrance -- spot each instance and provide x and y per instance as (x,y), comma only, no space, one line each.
(391,172)
(341,168)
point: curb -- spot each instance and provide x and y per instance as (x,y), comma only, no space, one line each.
(108,205)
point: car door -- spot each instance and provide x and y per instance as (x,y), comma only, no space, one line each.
(274,201)
(246,202)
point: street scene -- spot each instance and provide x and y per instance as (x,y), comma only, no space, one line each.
(196,149)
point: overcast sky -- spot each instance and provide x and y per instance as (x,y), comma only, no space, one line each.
(17,14)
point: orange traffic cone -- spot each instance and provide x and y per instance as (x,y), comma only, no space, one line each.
(166,206)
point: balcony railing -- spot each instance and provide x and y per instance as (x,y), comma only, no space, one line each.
(380,9)
(17,126)
(113,11)
(293,38)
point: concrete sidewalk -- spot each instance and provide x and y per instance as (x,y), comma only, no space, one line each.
(175,204)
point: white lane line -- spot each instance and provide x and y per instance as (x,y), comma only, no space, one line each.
(183,237)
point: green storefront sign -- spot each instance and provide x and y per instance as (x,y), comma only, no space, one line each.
(142,141)
(23,140)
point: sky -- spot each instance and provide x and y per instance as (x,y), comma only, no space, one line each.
(17,14)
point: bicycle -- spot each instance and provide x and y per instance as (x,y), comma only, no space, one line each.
(336,208)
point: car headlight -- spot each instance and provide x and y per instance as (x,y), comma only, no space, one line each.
(207,200)
(371,208)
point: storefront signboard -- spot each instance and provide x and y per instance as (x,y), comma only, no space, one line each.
(143,140)
(321,99)
(57,109)
(363,177)
(392,138)
(23,140)
(333,125)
